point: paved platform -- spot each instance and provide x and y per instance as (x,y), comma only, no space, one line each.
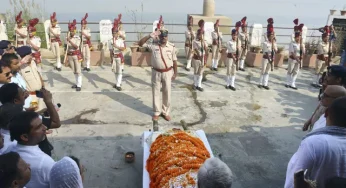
(255,131)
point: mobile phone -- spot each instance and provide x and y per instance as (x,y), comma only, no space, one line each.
(39,94)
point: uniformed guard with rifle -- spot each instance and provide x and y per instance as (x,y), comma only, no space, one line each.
(200,52)
(74,54)
(269,49)
(20,31)
(117,45)
(233,48)
(86,45)
(324,51)
(295,61)
(189,38)
(244,38)
(216,46)
(55,42)
(35,43)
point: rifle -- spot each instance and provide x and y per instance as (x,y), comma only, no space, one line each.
(190,47)
(300,53)
(237,55)
(271,61)
(329,51)
(65,58)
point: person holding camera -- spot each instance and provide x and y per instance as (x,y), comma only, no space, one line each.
(11,95)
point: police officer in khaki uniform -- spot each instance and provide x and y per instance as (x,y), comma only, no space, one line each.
(244,38)
(86,46)
(31,76)
(216,46)
(55,42)
(322,57)
(296,53)
(117,46)
(189,37)
(232,58)
(269,49)
(20,31)
(200,50)
(164,70)
(73,53)
(35,43)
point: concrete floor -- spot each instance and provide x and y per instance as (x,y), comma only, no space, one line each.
(255,131)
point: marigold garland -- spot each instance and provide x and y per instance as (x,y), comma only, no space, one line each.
(174,154)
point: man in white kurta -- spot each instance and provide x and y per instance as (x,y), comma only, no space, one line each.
(322,152)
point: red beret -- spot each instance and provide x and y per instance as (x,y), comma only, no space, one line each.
(243,21)
(32,23)
(84,19)
(19,18)
(53,17)
(72,26)
(296,21)
(270,20)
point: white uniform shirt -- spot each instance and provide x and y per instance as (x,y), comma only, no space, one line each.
(24,31)
(267,47)
(56,30)
(19,80)
(323,155)
(215,37)
(36,41)
(188,35)
(244,37)
(232,46)
(320,123)
(197,45)
(322,48)
(8,144)
(87,32)
(75,40)
(119,42)
(40,164)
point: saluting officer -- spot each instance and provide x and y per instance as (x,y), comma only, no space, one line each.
(164,70)
(35,43)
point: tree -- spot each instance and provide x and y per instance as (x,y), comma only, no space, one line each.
(30,9)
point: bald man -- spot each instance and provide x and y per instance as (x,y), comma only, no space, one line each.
(329,95)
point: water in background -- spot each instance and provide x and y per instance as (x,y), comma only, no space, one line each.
(311,22)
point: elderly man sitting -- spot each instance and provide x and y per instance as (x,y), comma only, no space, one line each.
(214,174)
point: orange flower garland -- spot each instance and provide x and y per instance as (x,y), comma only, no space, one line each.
(175,154)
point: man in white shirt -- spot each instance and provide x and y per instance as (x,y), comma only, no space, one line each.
(322,152)
(331,93)
(28,130)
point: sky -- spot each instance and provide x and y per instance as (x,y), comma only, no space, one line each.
(305,9)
